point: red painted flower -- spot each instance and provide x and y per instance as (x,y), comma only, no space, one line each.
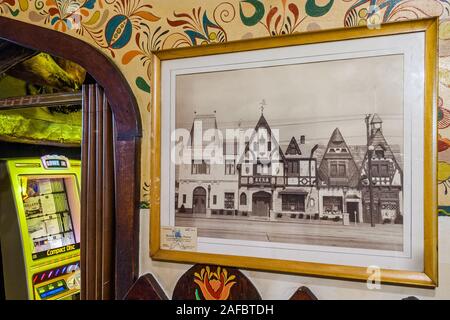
(214,285)
(443,143)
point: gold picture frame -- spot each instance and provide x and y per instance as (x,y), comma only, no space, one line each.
(428,278)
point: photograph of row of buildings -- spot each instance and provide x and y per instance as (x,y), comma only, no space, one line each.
(357,184)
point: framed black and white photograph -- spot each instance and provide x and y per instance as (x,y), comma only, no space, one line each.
(307,154)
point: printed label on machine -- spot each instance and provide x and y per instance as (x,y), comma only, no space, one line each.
(55,251)
(55,162)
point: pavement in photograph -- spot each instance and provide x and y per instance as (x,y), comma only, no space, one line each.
(380,237)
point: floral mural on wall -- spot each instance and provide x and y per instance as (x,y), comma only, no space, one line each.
(128,30)
(280,19)
(13,7)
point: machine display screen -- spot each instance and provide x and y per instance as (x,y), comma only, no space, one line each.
(48,216)
(56,163)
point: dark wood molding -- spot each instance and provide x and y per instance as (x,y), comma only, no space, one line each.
(127,126)
(127,165)
(303,293)
(146,288)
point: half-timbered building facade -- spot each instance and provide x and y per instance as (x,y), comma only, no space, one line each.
(262,181)
(276,184)
(387,179)
(339,181)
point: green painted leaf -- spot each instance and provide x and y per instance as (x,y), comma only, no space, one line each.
(197,296)
(313,10)
(144,205)
(14,13)
(142,84)
(257,15)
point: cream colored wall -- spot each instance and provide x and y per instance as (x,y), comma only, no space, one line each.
(94,21)
(282,286)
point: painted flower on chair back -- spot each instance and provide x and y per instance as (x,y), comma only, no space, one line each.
(214,285)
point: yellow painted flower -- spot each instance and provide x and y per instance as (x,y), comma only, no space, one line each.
(23,5)
(214,285)
(443,171)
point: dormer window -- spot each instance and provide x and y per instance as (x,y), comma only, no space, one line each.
(200,167)
(230,167)
(380,169)
(338,169)
(263,169)
(292,168)
(338,150)
(379,152)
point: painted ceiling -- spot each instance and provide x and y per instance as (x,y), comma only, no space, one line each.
(25,72)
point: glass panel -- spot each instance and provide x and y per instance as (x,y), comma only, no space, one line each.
(333,170)
(304,168)
(229,167)
(47,213)
(229,200)
(332,204)
(384,170)
(374,170)
(342,172)
(243,199)
(293,202)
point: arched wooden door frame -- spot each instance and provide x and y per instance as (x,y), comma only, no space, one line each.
(127,125)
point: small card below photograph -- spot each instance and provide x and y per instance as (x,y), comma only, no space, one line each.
(179,238)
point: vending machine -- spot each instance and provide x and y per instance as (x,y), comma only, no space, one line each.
(40,227)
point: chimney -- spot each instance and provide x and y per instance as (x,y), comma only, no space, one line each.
(302,139)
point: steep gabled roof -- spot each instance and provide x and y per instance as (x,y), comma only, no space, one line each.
(262,123)
(336,138)
(293,148)
(337,143)
(378,140)
(337,149)
(376,119)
